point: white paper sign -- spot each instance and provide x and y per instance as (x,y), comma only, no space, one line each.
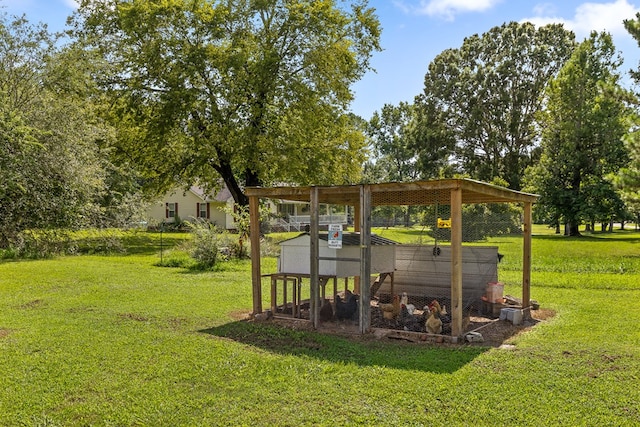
(335,236)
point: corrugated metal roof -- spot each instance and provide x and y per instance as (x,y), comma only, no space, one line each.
(352,239)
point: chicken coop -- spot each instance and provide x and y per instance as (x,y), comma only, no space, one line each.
(343,262)
(457,273)
(335,263)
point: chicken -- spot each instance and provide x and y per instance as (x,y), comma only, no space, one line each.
(405,299)
(433,323)
(442,311)
(348,308)
(390,311)
(326,311)
(404,302)
(411,308)
(408,321)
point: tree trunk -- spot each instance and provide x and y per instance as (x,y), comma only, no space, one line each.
(573,229)
(226,172)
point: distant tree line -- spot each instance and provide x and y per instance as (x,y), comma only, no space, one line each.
(529,108)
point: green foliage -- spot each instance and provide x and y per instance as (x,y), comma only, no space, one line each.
(55,173)
(582,129)
(627,179)
(47,243)
(479,221)
(254,92)
(390,132)
(204,243)
(209,245)
(483,97)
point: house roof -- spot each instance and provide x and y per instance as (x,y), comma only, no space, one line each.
(221,195)
(350,239)
(400,193)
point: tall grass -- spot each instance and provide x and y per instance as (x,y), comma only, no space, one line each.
(116,340)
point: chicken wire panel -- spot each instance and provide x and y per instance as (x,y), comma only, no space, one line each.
(423,277)
(423,272)
(413,197)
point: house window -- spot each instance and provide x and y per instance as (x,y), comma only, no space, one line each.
(202,210)
(171,210)
(286,209)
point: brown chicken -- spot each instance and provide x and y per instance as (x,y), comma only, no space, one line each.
(391,311)
(433,323)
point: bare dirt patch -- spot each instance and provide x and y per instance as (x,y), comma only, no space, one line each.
(497,332)
(494,332)
(32,304)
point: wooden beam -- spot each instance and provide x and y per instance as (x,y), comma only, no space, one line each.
(365,259)
(456,262)
(526,258)
(356,227)
(409,193)
(314,269)
(254,235)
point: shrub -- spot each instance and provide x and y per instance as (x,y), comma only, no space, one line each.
(43,243)
(204,245)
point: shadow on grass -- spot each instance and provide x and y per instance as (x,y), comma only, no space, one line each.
(617,236)
(358,351)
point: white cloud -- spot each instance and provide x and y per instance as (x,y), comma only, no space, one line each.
(446,9)
(73,4)
(544,9)
(589,17)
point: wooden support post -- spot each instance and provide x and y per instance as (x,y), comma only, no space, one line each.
(314,270)
(274,293)
(456,262)
(254,230)
(356,228)
(526,260)
(365,259)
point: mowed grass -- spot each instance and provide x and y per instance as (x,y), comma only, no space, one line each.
(120,341)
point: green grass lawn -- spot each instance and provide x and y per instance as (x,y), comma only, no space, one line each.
(119,341)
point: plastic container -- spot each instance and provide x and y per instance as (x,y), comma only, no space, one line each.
(494,292)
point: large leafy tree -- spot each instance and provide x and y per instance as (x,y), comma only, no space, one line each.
(252,91)
(389,131)
(628,179)
(55,172)
(484,96)
(585,119)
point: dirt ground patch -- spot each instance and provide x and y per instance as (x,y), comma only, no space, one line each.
(495,332)
(498,332)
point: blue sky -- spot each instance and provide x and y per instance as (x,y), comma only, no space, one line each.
(415,31)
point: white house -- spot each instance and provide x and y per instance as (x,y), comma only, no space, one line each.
(192,204)
(195,203)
